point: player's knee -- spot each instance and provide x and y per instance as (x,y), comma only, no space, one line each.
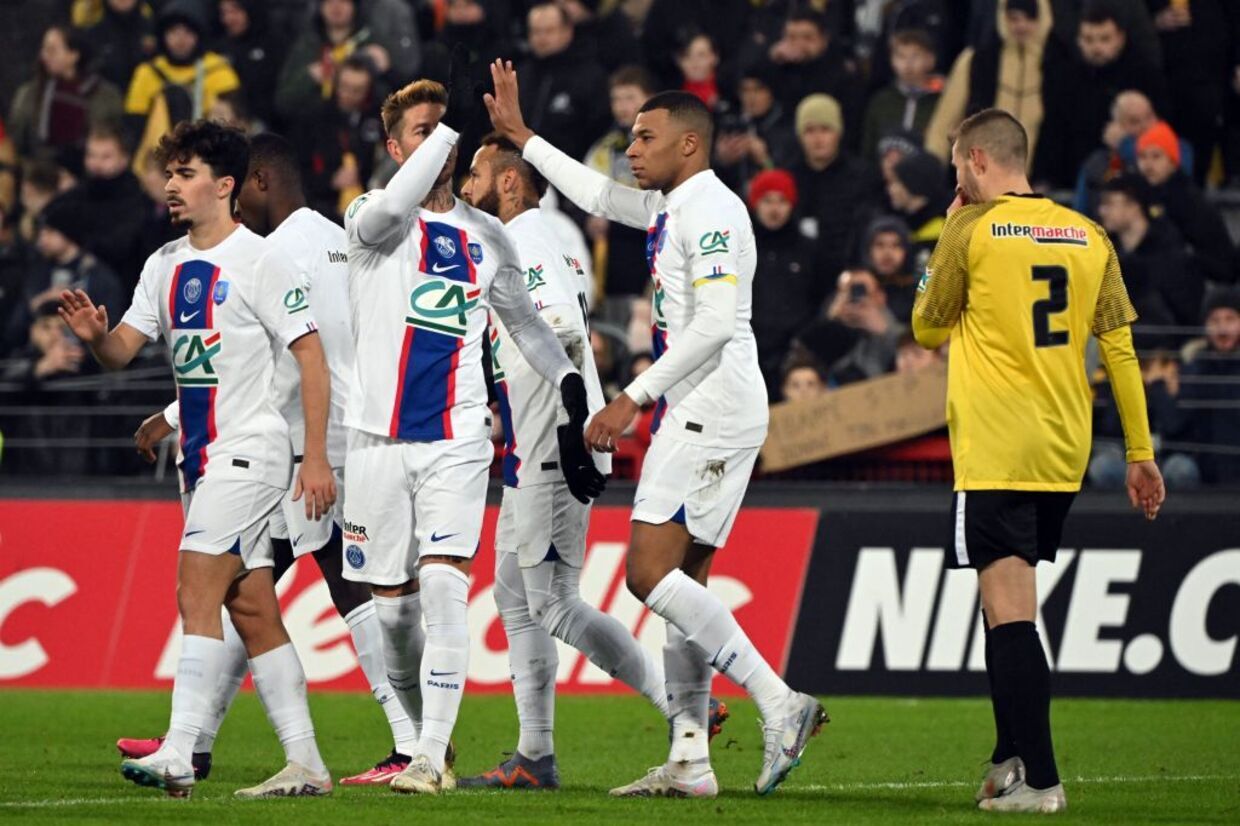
(640,581)
(552,612)
(198,614)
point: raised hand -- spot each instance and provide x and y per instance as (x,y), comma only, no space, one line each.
(88,322)
(504,106)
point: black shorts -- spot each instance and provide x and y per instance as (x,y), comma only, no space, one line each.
(991,524)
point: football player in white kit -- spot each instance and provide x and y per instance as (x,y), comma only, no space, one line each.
(710,419)
(219,297)
(541,539)
(423,268)
(272,203)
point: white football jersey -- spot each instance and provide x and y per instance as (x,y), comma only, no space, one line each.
(316,246)
(528,403)
(221,311)
(419,302)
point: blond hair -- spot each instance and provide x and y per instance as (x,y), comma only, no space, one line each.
(405,98)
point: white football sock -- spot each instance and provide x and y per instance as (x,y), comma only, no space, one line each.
(368,642)
(532,660)
(233,669)
(555,601)
(281,685)
(197,672)
(445,662)
(400,619)
(688,697)
(710,627)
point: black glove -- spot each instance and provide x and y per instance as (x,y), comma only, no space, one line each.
(462,100)
(583,478)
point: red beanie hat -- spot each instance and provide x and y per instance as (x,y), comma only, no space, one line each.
(772,180)
(1163,136)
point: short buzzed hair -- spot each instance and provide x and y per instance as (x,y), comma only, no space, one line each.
(408,96)
(687,109)
(271,151)
(508,156)
(999,133)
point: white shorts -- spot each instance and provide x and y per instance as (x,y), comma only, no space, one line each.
(697,486)
(229,513)
(290,522)
(542,522)
(411,499)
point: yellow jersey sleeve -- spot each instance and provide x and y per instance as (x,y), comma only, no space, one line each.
(945,283)
(1114,309)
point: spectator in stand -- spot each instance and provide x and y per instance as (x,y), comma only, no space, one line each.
(1169,422)
(8,171)
(255,52)
(15,262)
(894,147)
(857,338)
(887,254)
(41,181)
(1200,46)
(64,265)
(122,38)
(619,252)
(1005,71)
(53,111)
(667,22)
(911,357)
(112,207)
(396,30)
(760,136)
(563,89)
(801,379)
(809,63)
(1132,115)
(1164,285)
(698,61)
(1211,388)
(339,140)
(1173,194)
(917,192)
(483,26)
(1078,93)
(834,187)
(308,77)
(608,36)
(180,83)
(787,287)
(232,109)
(909,100)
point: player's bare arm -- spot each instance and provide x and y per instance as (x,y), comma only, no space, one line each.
(315,479)
(113,350)
(153,430)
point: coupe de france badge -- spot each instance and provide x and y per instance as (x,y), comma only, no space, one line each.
(475,252)
(220,293)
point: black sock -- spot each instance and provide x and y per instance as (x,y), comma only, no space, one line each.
(1022,679)
(1005,747)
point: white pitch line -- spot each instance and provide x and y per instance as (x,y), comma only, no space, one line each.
(948,784)
(831,787)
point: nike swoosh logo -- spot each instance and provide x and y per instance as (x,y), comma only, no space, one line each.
(186,318)
(437,538)
(297,539)
(435,673)
(191,533)
(438,268)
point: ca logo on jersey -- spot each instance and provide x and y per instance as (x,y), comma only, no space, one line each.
(713,242)
(660,320)
(497,369)
(295,300)
(534,278)
(442,306)
(191,358)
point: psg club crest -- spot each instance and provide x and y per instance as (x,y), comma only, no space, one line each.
(221,292)
(356,559)
(444,246)
(193,290)
(475,252)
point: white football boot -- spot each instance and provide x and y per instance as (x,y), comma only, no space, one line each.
(697,780)
(420,777)
(785,738)
(1023,798)
(163,769)
(294,780)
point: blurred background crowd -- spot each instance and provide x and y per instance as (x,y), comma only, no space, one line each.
(833,120)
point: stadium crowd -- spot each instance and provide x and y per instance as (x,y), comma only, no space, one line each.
(833,121)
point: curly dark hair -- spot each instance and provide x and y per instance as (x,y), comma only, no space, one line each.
(225,150)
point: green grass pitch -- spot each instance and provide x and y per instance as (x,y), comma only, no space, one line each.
(880,761)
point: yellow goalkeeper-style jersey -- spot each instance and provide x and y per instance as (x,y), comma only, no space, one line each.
(1020,283)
